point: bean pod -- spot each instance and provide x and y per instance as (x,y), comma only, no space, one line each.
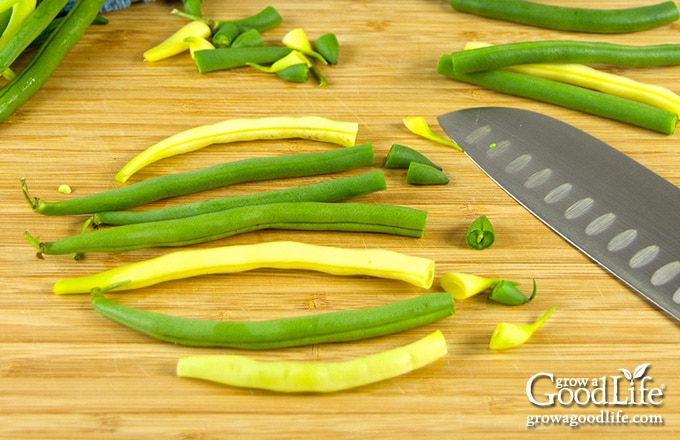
(314,377)
(173,185)
(317,216)
(600,21)
(346,325)
(327,191)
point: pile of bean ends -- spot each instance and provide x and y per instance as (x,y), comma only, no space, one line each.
(227,44)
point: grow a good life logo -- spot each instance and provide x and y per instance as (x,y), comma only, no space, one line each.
(632,388)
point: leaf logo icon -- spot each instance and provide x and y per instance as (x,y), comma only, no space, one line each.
(639,372)
(627,374)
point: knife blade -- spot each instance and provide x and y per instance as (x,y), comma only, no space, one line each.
(613,209)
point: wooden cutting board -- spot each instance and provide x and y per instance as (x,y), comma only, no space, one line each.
(66,372)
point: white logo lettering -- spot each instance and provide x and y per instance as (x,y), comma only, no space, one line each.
(633,388)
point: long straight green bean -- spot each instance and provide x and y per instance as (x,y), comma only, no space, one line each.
(311,216)
(172,185)
(327,191)
(264,20)
(27,82)
(590,20)
(566,95)
(342,326)
(550,51)
(223,58)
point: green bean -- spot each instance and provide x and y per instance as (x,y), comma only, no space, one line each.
(172,185)
(44,35)
(327,45)
(249,38)
(480,234)
(27,82)
(341,326)
(318,74)
(229,58)
(225,35)
(583,52)
(36,22)
(5,14)
(311,216)
(401,156)
(602,21)
(4,19)
(568,96)
(506,292)
(193,7)
(327,191)
(297,73)
(422,174)
(264,20)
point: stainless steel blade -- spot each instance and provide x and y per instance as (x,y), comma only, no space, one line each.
(616,211)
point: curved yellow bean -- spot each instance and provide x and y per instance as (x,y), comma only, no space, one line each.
(21,9)
(380,263)
(462,285)
(297,39)
(235,130)
(418,125)
(315,377)
(198,43)
(508,335)
(175,44)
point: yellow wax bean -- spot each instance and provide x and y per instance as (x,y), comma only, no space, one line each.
(380,263)
(175,44)
(314,377)
(587,77)
(462,285)
(297,39)
(293,58)
(21,9)
(418,125)
(235,130)
(198,43)
(509,335)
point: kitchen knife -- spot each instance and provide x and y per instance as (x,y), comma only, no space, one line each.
(613,209)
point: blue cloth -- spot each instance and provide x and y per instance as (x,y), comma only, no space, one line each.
(110,5)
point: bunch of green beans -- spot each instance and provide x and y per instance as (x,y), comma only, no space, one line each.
(327,191)
(550,51)
(43,15)
(603,21)
(27,82)
(566,95)
(312,216)
(172,185)
(346,325)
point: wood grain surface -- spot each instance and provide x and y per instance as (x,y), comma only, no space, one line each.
(66,372)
